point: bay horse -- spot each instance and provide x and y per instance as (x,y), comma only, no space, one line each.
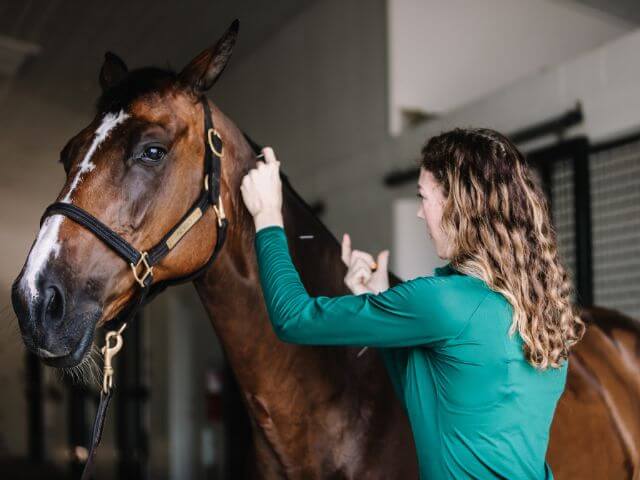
(315,412)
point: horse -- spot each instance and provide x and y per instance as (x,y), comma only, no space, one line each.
(595,431)
(315,411)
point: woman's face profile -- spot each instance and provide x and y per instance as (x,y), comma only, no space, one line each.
(430,205)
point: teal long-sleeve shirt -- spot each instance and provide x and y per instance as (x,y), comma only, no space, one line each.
(477,409)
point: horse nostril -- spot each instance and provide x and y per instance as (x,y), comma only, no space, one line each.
(54,301)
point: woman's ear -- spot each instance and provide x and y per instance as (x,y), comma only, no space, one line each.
(203,71)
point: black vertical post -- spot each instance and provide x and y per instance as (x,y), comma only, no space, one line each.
(237,428)
(583,234)
(78,430)
(35,408)
(131,395)
(545,175)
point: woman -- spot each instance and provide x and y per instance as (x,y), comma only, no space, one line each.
(478,353)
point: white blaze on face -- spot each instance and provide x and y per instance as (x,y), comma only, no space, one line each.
(47,242)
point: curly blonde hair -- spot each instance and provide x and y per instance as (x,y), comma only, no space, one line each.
(498,222)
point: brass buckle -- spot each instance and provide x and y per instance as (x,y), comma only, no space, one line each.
(148,269)
(210,132)
(109,351)
(219,209)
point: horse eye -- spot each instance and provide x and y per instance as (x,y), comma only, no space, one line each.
(153,153)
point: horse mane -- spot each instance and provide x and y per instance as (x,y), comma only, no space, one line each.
(288,189)
(286,184)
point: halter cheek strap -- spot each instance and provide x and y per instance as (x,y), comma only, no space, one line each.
(142,262)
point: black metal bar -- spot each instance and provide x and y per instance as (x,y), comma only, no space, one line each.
(557,125)
(615,143)
(35,419)
(577,150)
(583,233)
(558,151)
(545,178)
(78,430)
(400,177)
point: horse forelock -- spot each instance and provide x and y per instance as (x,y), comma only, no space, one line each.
(136,84)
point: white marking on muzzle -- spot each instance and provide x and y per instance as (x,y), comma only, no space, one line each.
(47,242)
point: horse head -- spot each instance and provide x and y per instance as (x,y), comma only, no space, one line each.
(137,167)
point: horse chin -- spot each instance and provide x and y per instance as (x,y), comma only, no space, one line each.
(78,356)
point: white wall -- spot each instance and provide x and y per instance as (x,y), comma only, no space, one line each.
(317,92)
(606,81)
(443,55)
(413,252)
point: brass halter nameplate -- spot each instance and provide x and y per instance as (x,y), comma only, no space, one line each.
(184,228)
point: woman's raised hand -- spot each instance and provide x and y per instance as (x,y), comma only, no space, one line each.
(261,190)
(364,274)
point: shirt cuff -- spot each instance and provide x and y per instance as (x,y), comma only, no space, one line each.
(269,228)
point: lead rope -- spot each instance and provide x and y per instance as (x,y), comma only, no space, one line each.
(113,343)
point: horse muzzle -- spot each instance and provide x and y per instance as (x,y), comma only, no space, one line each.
(56,327)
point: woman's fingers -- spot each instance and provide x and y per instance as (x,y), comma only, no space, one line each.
(364,256)
(269,155)
(357,277)
(261,187)
(359,262)
(348,255)
(346,249)
(383,260)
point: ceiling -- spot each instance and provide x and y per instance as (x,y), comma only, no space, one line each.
(73,35)
(628,10)
(443,55)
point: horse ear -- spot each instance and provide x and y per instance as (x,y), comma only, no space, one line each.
(203,71)
(112,71)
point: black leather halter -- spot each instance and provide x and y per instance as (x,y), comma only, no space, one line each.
(142,262)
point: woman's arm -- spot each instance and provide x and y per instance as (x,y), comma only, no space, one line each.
(422,311)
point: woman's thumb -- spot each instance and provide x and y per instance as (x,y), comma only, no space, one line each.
(383,260)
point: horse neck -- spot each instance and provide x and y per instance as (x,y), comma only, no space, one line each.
(231,293)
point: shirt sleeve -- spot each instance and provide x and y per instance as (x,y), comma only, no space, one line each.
(422,311)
